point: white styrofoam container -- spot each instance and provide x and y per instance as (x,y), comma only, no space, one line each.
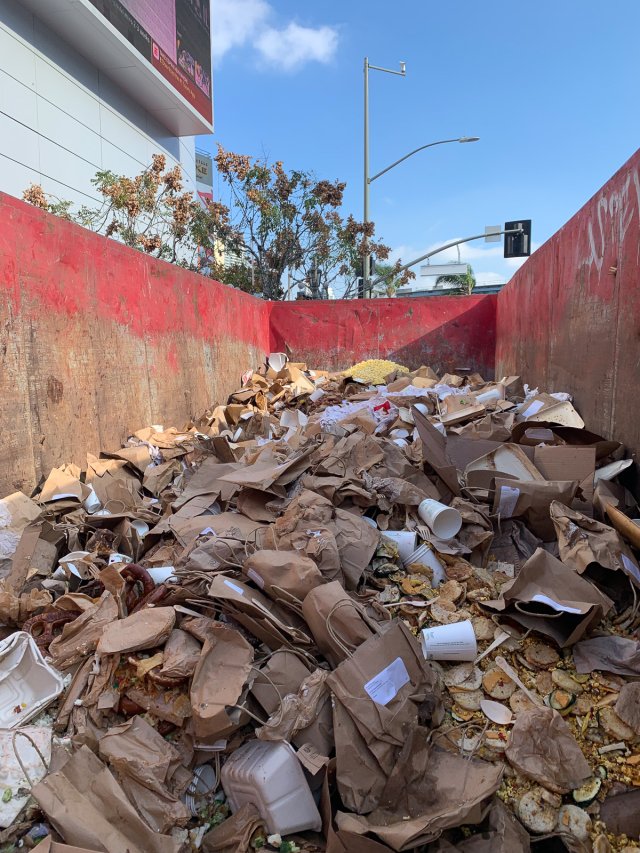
(270,776)
(27,683)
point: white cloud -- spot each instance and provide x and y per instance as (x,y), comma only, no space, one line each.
(294,45)
(238,23)
(235,22)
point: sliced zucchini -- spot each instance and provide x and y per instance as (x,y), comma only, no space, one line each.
(561,700)
(602,771)
(564,681)
(586,794)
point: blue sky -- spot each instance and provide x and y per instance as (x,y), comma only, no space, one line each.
(550,87)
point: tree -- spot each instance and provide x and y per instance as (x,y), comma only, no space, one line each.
(392,281)
(291,221)
(463,283)
(275,222)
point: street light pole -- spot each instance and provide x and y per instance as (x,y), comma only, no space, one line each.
(365,260)
(402,73)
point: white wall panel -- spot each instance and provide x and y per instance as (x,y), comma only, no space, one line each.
(61,119)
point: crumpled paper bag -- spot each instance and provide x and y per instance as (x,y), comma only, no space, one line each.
(146,763)
(144,629)
(543,748)
(429,790)
(619,655)
(80,637)
(219,682)
(235,833)
(385,687)
(85,804)
(583,541)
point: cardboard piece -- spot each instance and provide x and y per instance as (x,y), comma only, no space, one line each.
(550,598)
(434,451)
(509,459)
(546,408)
(569,463)
(49,846)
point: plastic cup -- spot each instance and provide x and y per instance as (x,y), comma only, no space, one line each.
(450,642)
(405,541)
(443,520)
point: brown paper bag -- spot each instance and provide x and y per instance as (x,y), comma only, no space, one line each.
(429,790)
(89,809)
(283,572)
(80,637)
(584,541)
(181,655)
(265,619)
(550,598)
(543,748)
(504,834)
(283,674)
(219,682)
(145,764)
(609,654)
(145,629)
(339,841)
(386,687)
(338,623)
(235,833)
(530,500)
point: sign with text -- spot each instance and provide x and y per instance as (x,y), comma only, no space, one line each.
(174,36)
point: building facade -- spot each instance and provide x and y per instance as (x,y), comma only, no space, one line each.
(78,94)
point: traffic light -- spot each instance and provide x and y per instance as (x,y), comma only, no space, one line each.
(518,245)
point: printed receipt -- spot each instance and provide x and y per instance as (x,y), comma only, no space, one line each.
(386,685)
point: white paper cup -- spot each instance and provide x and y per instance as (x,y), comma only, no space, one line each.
(425,557)
(450,642)
(443,520)
(405,541)
(491,396)
(370,521)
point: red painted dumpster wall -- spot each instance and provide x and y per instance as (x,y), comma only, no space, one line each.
(569,320)
(97,340)
(443,332)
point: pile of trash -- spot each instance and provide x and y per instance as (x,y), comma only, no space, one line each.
(328,615)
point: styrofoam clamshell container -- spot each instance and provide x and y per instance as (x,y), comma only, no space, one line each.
(270,776)
(27,682)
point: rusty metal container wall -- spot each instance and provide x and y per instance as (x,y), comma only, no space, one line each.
(97,340)
(569,320)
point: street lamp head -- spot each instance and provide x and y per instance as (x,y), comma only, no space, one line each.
(469,139)
(403,67)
